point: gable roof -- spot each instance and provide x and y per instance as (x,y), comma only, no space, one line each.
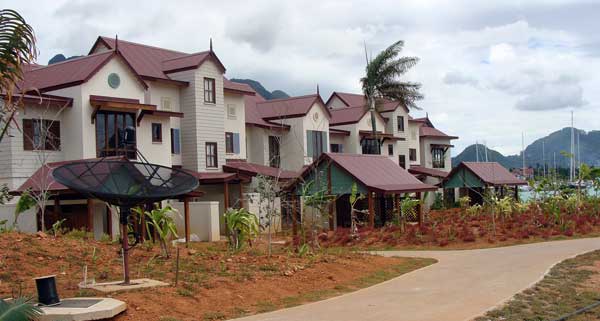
(236,87)
(155,63)
(349,115)
(71,72)
(376,172)
(289,107)
(491,173)
(426,131)
(421,170)
(252,114)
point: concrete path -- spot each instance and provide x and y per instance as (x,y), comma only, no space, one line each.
(461,286)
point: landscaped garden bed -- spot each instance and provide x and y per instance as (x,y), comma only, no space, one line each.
(476,227)
(214,282)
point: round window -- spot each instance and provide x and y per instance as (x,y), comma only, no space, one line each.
(114,81)
(316,116)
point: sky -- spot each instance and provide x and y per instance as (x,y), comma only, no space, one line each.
(490,70)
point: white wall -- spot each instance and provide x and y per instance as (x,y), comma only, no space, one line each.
(426,156)
(257,145)
(414,141)
(204,220)
(236,124)
(26,221)
(364,124)
(335,103)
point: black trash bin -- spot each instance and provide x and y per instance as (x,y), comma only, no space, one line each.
(46,288)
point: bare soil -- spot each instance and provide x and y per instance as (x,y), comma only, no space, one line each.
(213,283)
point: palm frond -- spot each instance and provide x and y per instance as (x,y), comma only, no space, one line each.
(20,309)
(17,48)
(406,93)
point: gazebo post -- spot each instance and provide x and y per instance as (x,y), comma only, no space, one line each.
(56,206)
(90,214)
(241,196)
(371,210)
(226,195)
(186,220)
(420,209)
(109,221)
(516,193)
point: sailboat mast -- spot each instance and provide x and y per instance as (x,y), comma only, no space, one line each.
(544,158)
(523,151)
(485,146)
(572,163)
(477,151)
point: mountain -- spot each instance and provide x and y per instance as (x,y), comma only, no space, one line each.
(551,145)
(261,90)
(59,58)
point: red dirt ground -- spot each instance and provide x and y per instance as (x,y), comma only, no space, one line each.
(213,283)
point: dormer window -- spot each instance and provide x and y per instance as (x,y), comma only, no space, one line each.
(165,103)
(209,90)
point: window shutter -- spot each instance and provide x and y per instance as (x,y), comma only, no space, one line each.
(310,142)
(341,148)
(175,142)
(236,143)
(53,135)
(27,134)
(324,142)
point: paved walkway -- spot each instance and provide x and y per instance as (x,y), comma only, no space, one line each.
(461,286)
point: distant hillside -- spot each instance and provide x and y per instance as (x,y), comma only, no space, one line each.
(261,90)
(553,144)
(59,58)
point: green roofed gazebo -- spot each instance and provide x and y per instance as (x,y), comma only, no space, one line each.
(380,178)
(472,178)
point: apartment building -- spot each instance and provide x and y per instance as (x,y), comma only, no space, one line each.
(185,113)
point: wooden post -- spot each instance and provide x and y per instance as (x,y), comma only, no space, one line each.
(420,209)
(90,214)
(371,210)
(186,221)
(516,193)
(329,190)
(226,195)
(109,221)
(143,222)
(294,215)
(56,207)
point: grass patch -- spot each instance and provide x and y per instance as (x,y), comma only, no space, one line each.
(561,292)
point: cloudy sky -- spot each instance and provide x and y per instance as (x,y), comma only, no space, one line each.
(490,70)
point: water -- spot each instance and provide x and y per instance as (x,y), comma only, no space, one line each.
(525,196)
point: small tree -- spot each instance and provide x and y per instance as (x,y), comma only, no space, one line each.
(318,200)
(355,196)
(269,190)
(24,203)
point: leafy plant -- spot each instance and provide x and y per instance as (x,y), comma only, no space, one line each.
(20,309)
(161,220)
(57,228)
(408,208)
(464,202)
(24,203)
(242,226)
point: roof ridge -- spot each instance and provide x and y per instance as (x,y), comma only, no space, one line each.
(144,45)
(71,60)
(288,98)
(187,55)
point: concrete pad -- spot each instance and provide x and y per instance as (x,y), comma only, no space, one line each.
(461,286)
(98,309)
(119,286)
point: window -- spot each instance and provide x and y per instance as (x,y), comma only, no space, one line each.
(231,111)
(274,155)
(390,150)
(370,146)
(316,143)
(175,141)
(400,120)
(211,155)
(402,161)
(336,148)
(156,133)
(437,157)
(165,103)
(412,154)
(41,134)
(232,143)
(209,90)
(115,134)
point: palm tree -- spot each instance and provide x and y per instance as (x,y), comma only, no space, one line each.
(19,309)
(381,81)
(17,49)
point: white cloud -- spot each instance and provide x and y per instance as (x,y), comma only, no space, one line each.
(553,96)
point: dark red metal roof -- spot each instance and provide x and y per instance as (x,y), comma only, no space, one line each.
(335,131)
(358,100)
(43,179)
(237,87)
(67,73)
(253,116)
(344,116)
(376,172)
(212,177)
(43,99)
(491,173)
(420,170)
(289,107)
(251,169)
(426,131)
